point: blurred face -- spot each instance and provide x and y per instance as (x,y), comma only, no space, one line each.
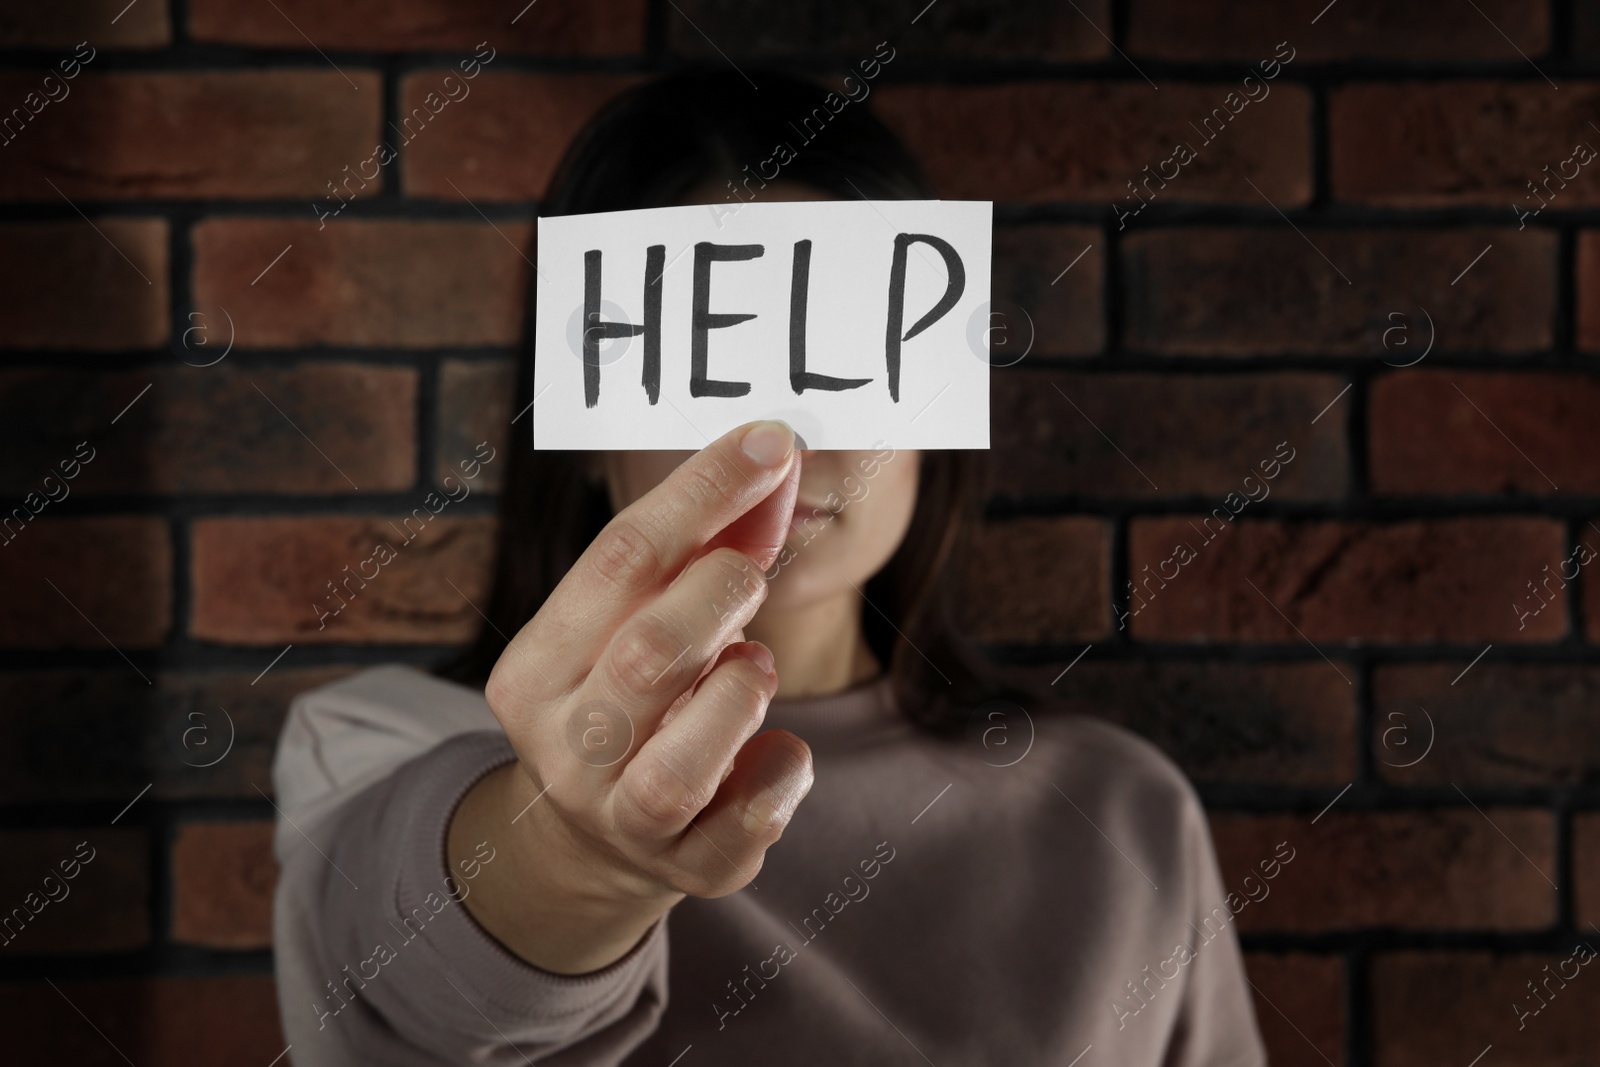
(854,505)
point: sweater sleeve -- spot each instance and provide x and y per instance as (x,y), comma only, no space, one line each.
(377,959)
(1216,1024)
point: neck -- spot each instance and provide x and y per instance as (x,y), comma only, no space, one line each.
(819,648)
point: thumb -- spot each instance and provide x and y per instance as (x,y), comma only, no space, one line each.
(760,533)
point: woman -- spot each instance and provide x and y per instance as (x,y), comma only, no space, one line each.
(491,869)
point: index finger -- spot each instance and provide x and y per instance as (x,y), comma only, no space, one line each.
(738,491)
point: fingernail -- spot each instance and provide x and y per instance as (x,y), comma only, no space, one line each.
(761,656)
(768,443)
(763,811)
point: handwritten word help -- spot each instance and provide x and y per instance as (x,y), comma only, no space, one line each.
(660,328)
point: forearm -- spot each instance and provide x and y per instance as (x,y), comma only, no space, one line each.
(546,900)
(397,971)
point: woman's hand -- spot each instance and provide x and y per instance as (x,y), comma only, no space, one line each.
(631,700)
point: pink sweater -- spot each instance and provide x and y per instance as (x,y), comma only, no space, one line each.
(928,904)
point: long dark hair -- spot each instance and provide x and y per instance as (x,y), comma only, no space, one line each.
(648,148)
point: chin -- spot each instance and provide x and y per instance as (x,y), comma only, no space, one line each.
(819,572)
(804,580)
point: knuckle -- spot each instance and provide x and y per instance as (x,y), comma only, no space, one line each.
(740,583)
(624,554)
(598,734)
(741,688)
(710,483)
(660,796)
(644,651)
(498,690)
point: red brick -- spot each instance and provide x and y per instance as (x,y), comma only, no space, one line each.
(475,408)
(1432,1008)
(262,581)
(1455,432)
(600,27)
(1051,431)
(1403,582)
(49,269)
(1445,869)
(113,579)
(1355,29)
(193,135)
(1265,291)
(103,907)
(1063,310)
(197,736)
(1505,724)
(1034,580)
(222,1021)
(1044,141)
(1460,142)
(504,144)
(223,875)
(406,284)
(1588,292)
(1586,866)
(1269,723)
(1299,1001)
(107,24)
(215,430)
(1030,30)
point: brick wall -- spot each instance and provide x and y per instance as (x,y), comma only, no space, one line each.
(1280,289)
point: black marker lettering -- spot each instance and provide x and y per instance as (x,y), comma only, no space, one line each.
(594,329)
(703,320)
(897,299)
(801,379)
(655,259)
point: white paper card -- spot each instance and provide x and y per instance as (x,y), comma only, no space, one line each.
(860,323)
